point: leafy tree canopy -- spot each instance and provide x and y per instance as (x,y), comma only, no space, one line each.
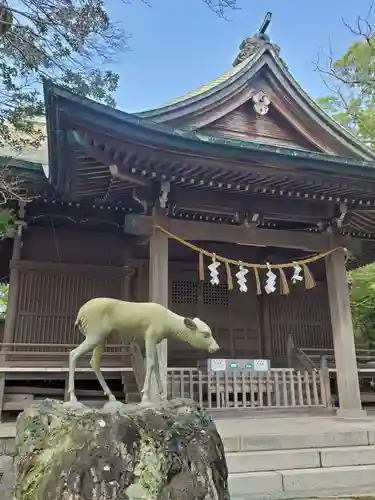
(363,304)
(351,101)
(71,42)
(4,293)
(351,83)
(75,44)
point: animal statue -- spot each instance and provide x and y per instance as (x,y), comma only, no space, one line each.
(138,322)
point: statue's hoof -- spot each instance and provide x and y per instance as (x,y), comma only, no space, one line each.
(73,405)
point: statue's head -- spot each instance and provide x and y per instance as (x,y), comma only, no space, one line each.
(200,335)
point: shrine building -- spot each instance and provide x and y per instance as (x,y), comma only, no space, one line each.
(246,173)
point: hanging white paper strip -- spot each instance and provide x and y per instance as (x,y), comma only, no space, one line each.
(297,274)
(241,278)
(214,273)
(271,281)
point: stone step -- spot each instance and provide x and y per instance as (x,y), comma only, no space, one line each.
(347,456)
(303,483)
(133,397)
(289,441)
(260,461)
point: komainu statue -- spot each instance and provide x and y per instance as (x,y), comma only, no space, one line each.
(139,322)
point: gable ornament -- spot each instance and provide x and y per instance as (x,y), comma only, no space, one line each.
(261,103)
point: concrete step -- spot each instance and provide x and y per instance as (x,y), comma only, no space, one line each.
(258,461)
(303,483)
(292,441)
(133,397)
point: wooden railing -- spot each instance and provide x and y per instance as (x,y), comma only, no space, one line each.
(51,355)
(276,388)
(318,356)
(365,358)
(297,358)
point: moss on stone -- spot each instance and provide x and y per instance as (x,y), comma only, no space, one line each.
(123,452)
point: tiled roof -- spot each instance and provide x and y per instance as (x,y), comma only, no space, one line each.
(210,85)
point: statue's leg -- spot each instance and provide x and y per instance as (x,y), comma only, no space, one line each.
(87,345)
(157,376)
(95,365)
(150,346)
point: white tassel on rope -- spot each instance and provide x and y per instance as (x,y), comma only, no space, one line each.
(241,278)
(213,268)
(297,273)
(271,281)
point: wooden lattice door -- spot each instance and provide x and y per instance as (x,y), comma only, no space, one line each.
(233,317)
(183,300)
(303,314)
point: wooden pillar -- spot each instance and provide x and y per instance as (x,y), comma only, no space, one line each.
(265,327)
(11,312)
(158,288)
(343,336)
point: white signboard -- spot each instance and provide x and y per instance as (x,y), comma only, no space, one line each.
(261,365)
(218,365)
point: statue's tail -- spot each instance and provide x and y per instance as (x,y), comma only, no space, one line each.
(81,322)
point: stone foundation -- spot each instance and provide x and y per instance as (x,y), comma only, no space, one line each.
(7,453)
(169,450)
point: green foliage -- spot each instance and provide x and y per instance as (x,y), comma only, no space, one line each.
(4,292)
(351,82)
(72,42)
(363,304)
(7,220)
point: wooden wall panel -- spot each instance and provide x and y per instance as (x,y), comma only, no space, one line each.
(184,295)
(49,300)
(235,317)
(232,315)
(43,244)
(305,315)
(243,123)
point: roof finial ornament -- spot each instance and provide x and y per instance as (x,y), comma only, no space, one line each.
(266,22)
(253,43)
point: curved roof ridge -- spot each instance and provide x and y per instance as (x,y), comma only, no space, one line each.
(202,90)
(211,84)
(318,108)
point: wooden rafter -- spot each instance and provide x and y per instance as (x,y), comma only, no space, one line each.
(202,231)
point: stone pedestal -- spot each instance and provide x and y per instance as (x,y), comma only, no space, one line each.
(168,451)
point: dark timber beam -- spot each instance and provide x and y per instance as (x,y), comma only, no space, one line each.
(106,157)
(299,210)
(205,231)
(127,177)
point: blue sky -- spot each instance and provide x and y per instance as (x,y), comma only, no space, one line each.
(178,45)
